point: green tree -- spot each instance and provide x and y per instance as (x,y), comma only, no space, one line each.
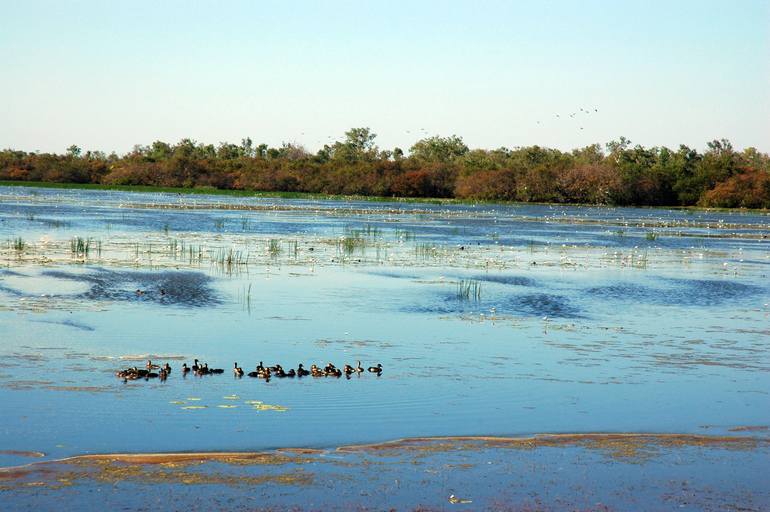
(439,149)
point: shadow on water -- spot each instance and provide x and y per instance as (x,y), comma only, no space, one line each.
(505,279)
(677,292)
(174,288)
(528,305)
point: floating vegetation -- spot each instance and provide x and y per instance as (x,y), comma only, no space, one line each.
(269,407)
(651,236)
(194,407)
(224,406)
(469,290)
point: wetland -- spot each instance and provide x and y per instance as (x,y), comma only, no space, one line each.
(535,357)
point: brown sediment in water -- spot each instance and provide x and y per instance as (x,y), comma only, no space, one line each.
(194,468)
(628,446)
(238,458)
(617,444)
(21,453)
(750,428)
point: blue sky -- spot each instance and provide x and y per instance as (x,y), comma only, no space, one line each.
(107,74)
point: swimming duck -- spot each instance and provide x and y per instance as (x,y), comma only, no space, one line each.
(215,370)
(348,369)
(195,366)
(275,369)
(330,368)
(151,366)
(291,373)
(315,371)
(301,372)
(376,369)
(335,372)
(151,375)
(163,375)
(237,371)
(260,367)
(167,368)
(359,368)
(185,369)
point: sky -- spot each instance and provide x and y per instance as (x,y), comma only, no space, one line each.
(106,75)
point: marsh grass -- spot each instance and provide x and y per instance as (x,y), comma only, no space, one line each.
(230,260)
(351,243)
(18,244)
(82,247)
(426,251)
(469,290)
(274,247)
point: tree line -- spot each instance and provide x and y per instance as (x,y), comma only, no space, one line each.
(440,167)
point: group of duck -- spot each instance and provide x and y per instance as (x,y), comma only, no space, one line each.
(153,371)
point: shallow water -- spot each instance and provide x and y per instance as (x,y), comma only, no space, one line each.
(586,319)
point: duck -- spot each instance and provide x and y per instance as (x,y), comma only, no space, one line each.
(335,372)
(195,366)
(167,368)
(163,375)
(315,371)
(330,368)
(301,372)
(260,367)
(151,366)
(151,375)
(238,372)
(276,369)
(291,373)
(265,374)
(348,369)
(185,369)
(215,370)
(359,368)
(376,369)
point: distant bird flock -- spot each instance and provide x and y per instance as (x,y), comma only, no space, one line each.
(153,371)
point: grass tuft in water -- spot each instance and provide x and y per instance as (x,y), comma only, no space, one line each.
(469,290)
(82,247)
(274,247)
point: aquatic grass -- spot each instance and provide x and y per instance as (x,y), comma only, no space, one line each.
(274,247)
(426,251)
(651,236)
(469,290)
(18,244)
(350,243)
(82,247)
(230,260)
